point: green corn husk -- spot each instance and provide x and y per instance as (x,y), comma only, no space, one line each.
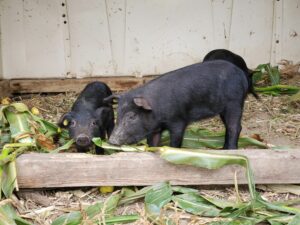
(155,199)
(17,116)
(278,90)
(99,213)
(189,200)
(8,216)
(266,70)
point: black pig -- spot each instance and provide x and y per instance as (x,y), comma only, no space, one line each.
(237,60)
(89,116)
(180,97)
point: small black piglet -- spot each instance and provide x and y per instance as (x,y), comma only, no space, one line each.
(180,97)
(235,59)
(89,117)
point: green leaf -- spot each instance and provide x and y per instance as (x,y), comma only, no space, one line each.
(197,138)
(273,74)
(97,141)
(156,198)
(221,203)
(184,190)
(279,208)
(209,160)
(8,216)
(108,207)
(278,90)
(121,219)
(130,198)
(196,205)
(127,192)
(272,222)
(295,220)
(9,181)
(73,218)
(64,147)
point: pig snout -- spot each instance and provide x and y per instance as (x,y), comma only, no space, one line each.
(83,140)
(116,137)
(113,140)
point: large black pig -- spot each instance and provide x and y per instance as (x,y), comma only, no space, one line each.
(180,97)
(90,116)
(237,60)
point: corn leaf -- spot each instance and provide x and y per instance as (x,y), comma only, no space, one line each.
(196,138)
(121,219)
(156,198)
(184,190)
(209,160)
(222,203)
(127,192)
(8,216)
(105,209)
(66,146)
(73,218)
(295,220)
(108,207)
(272,222)
(130,198)
(9,179)
(278,90)
(266,70)
(273,74)
(196,205)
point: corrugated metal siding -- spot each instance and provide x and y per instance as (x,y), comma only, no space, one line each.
(140,37)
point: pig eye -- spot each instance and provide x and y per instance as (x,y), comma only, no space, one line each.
(131,116)
(73,123)
(93,123)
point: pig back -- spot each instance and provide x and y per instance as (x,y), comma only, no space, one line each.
(196,91)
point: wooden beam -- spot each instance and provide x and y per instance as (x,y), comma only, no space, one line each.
(76,85)
(4,88)
(125,169)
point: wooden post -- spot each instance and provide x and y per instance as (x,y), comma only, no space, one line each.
(126,169)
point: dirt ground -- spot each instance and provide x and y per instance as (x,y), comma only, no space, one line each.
(275,119)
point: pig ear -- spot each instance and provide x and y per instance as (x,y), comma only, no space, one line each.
(142,102)
(65,120)
(102,113)
(110,99)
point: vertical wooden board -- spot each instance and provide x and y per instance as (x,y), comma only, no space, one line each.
(221,22)
(32,39)
(1,71)
(12,32)
(165,35)
(290,42)
(89,37)
(251,31)
(116,23)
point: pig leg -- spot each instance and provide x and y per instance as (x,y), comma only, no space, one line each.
(176,134)
(226,133)
(111,124)
(99,150)
(153,139)
(231,118)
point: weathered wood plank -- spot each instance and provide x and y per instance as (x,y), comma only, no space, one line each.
(64,85)
(124,169)
(4,88)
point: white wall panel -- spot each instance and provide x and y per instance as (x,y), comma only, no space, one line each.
(160,38)
(89,37)
(251,30)
(290,43)
(140,37)
(1,69)
(32,40)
